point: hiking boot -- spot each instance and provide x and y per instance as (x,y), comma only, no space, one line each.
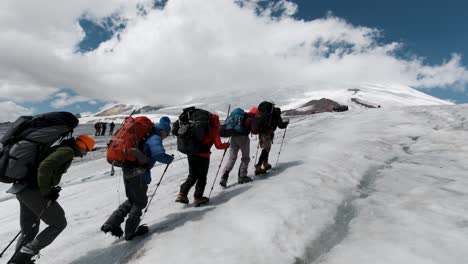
(201,201)
(114,230)
(266,166)
(223,181)
(21,258)
(244,179)
(259,170)
(141,230)
(182,198)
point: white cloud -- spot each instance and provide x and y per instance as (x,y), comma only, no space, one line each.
(64,99)
(194,48)
(10,111)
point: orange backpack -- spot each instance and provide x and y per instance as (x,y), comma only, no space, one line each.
(129,136)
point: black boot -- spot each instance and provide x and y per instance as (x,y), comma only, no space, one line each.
(114,230)
(141,230)
(244,179)
(198,201)
(21,258)
(131,226)
(224,179)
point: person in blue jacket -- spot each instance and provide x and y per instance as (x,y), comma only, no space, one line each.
(137,177)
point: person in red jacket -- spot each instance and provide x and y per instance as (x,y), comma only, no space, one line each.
(199,164)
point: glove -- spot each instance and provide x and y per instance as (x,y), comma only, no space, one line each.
(53,194)
(171,159)
(286,122)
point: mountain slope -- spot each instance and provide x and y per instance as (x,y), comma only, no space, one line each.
(390,181)
(286,98)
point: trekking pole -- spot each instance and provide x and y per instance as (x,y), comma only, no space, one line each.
(224,154)
(11,242)
(17,235)
(282,141)
(219,167)
(154,193)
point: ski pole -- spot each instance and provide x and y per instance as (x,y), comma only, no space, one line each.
(224,154)
(219,167)
(11,242)
(282,141)
(17,235)
(154,193)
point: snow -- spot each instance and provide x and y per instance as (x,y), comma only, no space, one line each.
(385,95)
(373,186)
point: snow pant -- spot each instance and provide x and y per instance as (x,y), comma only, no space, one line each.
(135,189)
(198,169)
(103,131)
(111,132)
(265,141)
(242,143)
(32,205)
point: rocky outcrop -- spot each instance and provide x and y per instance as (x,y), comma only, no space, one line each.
(363,103)
(317,106)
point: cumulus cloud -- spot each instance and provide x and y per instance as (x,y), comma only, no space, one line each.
(194,48)
(9,111)
(64,99)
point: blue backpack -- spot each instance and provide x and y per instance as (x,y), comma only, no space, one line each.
(235,121)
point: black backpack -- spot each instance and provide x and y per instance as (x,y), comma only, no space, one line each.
(28,139)
(191,128)
(264,117)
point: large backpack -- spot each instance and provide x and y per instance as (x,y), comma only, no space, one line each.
(264,116)
(132,132)
(28,139)
(235,121)
(191,128)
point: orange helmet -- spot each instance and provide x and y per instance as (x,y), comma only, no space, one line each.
(85,142)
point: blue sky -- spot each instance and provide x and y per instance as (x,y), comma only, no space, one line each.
(431,29)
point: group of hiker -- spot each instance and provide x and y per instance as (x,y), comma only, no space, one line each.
(135,148)
(101,127)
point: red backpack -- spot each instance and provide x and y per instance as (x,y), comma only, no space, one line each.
(129,136)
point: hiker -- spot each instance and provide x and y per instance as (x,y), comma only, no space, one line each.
(268,118)
(239,124)
(111,128)
(38,198)
(198,156)
(137,177)
(97,127)
(103,129)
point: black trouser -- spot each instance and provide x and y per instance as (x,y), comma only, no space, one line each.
(263,157)
(135,189)
(198,169)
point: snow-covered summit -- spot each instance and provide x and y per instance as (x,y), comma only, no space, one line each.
(286,98)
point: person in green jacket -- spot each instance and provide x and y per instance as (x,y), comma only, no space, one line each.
(38,198)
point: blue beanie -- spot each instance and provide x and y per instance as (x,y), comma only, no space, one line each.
(164,124)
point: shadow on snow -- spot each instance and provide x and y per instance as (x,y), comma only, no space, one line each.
(122,251)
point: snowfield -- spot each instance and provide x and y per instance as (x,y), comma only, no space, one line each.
(384,185)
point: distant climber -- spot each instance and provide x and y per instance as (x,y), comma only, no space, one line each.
(111,128)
